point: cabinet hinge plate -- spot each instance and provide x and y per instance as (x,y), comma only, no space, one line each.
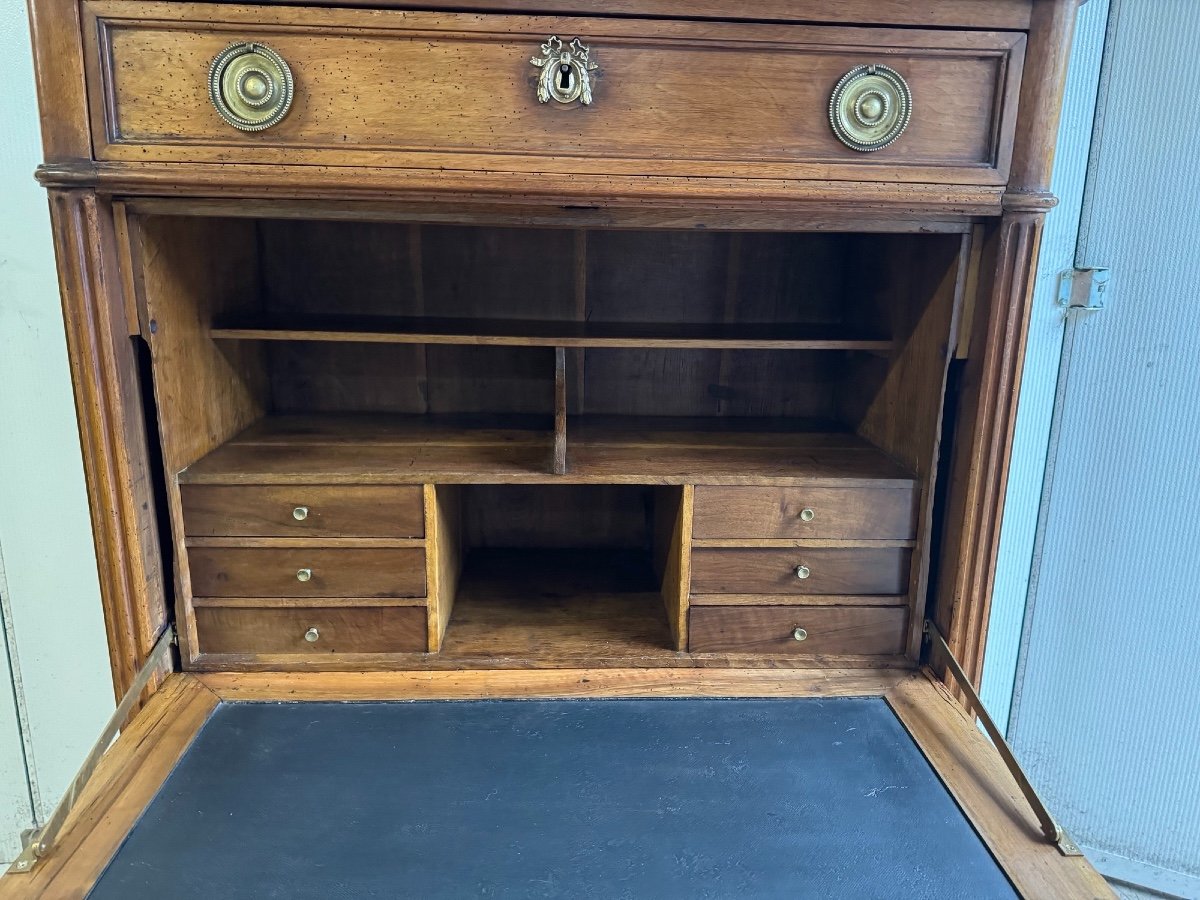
(1083,289)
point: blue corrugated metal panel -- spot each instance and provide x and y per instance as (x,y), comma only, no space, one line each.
(1040,378)
(1106,716)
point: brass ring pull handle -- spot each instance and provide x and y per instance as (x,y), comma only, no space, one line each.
(304,574)
(300,513)
(312,635)
(870,107)
(566,72)
(802,572)
(250,85)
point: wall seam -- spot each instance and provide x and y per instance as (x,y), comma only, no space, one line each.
(17,685)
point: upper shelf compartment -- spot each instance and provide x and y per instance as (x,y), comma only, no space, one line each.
(471,93)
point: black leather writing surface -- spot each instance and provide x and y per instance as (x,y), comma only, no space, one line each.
(821,798)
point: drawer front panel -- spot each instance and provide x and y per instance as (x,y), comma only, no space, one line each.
(313,630)
(306,572)
(302,511)
(447,91)
(772,629)
(802,512)
(829,571)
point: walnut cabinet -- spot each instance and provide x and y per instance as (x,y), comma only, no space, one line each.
(501,348)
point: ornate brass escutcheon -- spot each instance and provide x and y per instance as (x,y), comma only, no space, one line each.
(565,72)
(250,85)
(870,107)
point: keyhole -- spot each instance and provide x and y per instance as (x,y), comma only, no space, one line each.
(565,77)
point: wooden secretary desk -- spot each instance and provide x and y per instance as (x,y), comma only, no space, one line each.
(452,349)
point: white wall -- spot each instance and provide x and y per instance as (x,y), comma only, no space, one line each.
(56,649)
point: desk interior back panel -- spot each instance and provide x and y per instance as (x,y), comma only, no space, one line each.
(570,798)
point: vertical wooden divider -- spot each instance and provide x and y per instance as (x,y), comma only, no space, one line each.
(560,411)
(673,552)
(581,314)
(416,260)
(443,556)
(733,271)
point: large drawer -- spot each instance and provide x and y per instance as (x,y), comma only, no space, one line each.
(302,511)
(368,629)
(804,513)
(449,91)
(882,571)
(306,572)
(798,629)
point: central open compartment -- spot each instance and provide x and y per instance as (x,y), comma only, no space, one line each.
(560,571)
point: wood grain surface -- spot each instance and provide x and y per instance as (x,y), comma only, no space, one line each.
(832,570)
(772,629)
(837,513)
(363,629)
(272,572)
(343,511)
(408,112)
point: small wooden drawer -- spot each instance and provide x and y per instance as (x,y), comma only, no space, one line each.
(451,92)
(367,629)
(302,511)
(868,631)
(824,570)
(804,512)
(306,572)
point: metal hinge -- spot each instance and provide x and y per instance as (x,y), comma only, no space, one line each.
(1083,289)
(1050,828)
(37,843)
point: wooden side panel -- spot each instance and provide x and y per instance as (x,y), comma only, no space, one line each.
(673,510)
(983,441)
(61,85)
(191,271)
(921,284)
(108,400)
(187,271)
(444,556)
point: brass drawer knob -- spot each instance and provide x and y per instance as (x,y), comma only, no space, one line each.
(300,513)
(566,72)
(799,634)
(807,514)
(304,574)
(250,85)
(311,635)
(802,572)
(870,107)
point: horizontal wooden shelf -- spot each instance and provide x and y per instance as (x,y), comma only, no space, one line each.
(548,333)
(391,449)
